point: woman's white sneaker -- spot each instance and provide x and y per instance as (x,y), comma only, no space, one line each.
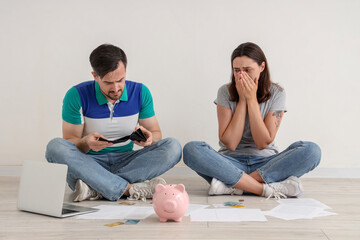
(219,188)
(290,187)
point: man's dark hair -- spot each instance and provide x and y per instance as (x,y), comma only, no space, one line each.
(105,58)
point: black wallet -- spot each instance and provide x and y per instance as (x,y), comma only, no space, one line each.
(137,135)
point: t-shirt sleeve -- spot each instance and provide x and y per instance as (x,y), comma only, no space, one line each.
(279,101)
(71,110)
(147,108)
(223,97)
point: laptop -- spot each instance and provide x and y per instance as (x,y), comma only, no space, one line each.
(42,190)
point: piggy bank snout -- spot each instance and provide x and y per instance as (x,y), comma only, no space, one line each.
(170,206)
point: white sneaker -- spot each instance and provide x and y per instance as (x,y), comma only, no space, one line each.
(219,188)
(84,192)
(144,190)
(290,187)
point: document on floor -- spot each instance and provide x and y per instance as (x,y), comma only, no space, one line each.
(119,212)
(303,202)
(195,207)
(227,215)
(299,208)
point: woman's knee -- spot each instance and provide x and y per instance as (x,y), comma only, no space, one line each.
(310,152)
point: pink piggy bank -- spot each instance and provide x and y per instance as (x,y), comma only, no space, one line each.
(170,201)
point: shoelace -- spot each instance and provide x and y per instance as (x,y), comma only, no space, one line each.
(137,196)
(276,193)
(232,191)
(140,193)
(96,197)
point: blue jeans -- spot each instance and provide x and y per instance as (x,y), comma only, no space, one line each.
(109,174)
(298,159)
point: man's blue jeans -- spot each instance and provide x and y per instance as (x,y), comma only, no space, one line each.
(109,174)
(298,159)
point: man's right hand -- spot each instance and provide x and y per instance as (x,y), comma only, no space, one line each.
(92,141)
(73,133)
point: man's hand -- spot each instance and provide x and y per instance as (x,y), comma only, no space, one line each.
(73,133)
(148,136)
(92,140)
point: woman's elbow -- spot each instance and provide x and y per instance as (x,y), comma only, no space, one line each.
(231,148)
(262,146)
(263,143)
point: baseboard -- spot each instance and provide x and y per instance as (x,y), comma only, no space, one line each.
(317,173)
(184,171)
(333,173)
(13,171)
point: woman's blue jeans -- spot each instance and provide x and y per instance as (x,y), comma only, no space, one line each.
(298,159)
(109,174)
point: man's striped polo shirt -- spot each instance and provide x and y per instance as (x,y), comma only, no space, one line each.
(86,104)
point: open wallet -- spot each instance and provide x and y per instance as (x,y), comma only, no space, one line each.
(137,135)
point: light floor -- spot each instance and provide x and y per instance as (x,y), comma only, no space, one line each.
(343,195)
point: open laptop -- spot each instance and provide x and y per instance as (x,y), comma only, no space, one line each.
(42,189)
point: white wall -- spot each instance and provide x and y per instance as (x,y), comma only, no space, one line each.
(181,51)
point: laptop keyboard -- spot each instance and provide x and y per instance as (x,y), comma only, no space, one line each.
(66,211)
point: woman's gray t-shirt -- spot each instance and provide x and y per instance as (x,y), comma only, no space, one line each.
(247,145)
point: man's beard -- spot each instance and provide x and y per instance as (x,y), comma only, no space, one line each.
(114,98)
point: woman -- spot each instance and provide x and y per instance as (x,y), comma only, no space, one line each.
(250,110)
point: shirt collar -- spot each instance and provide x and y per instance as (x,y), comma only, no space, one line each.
(101,99)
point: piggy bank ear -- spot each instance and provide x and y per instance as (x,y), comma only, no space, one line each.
(181,187)
(159,187)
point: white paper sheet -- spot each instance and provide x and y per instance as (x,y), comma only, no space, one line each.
(195,207)
(227,215)
(219,205)
(299,208)
(310,202)
(326,213)
(289,212)
(140,213)
(119,212)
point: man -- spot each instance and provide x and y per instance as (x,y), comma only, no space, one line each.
(111,107)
